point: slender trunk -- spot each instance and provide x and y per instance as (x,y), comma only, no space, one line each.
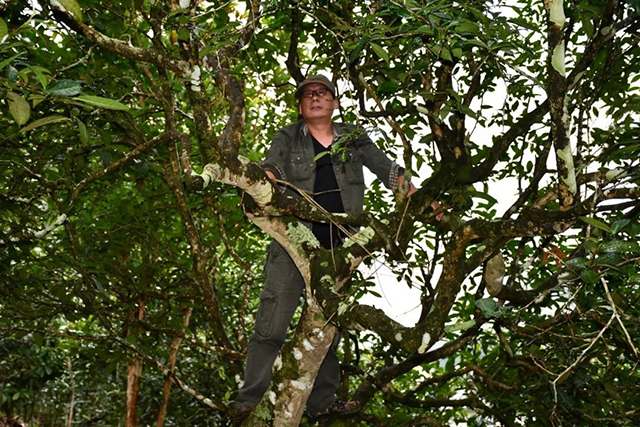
(173,355)
(73,392)
(134,370)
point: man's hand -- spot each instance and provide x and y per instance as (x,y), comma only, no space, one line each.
(435,205)
(412,189)
(271,176)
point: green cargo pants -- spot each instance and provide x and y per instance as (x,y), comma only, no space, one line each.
(278,301)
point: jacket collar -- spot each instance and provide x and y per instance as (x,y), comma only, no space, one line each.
(337,130)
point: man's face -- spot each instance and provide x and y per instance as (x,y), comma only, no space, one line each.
(317,107)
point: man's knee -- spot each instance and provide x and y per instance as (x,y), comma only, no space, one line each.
(274,315)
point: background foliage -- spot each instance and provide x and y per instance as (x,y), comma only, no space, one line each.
(108,261)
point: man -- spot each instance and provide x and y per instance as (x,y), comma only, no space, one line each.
(337,183)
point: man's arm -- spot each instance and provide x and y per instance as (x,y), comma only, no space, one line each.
(275,163)
(387,171)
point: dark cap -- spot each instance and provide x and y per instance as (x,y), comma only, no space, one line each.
(319,78)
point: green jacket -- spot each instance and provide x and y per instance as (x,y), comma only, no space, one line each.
(291,154)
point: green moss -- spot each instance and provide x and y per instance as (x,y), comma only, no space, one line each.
(570,180)
(326,280)
(361,238)
(556,12)
(557,60)
(262,412)
(300,235)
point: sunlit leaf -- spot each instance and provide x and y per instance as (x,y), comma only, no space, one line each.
(379,50)
(19,108)
(4,30)
(489,307)
(65,87)
(97,101)
(619,225)
(596,223)
(42,122)
(69,6)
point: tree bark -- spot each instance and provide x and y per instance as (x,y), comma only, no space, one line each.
(173,354)
(134,370)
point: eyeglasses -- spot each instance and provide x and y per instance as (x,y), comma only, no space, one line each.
(320,93)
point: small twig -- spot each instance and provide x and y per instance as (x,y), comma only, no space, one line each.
(406,207)
(615,313)
(578,360)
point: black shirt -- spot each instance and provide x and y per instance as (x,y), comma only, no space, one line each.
(327,195)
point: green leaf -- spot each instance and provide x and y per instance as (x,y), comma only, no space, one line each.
(355,53)
(460,326)
(38,338)
(468,27)
(42,122)
(441,51)
(40,74)
(12,74)
(619,225)
(206,50)
(577,262)
(320,155)
(8,61)
(19,108)
(36,99)
(379,50)
(97,101)
(82,132)
(489,307)
(613,246)
(596,223)
(65,88)
(4,30)
(589,276)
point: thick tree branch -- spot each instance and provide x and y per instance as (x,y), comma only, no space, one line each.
(122,48)
(292,61)
(501,143)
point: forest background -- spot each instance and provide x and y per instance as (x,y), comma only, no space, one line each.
(135,217)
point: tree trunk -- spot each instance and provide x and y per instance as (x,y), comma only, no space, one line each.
(173,354)
(134,370)
(295,371)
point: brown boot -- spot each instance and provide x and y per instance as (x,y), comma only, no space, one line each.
(338,407)
(242,413)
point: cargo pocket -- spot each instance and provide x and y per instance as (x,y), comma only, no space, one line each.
(264,319)
(353,167)
(300,168)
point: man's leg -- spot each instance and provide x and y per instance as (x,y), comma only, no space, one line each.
(278,301)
